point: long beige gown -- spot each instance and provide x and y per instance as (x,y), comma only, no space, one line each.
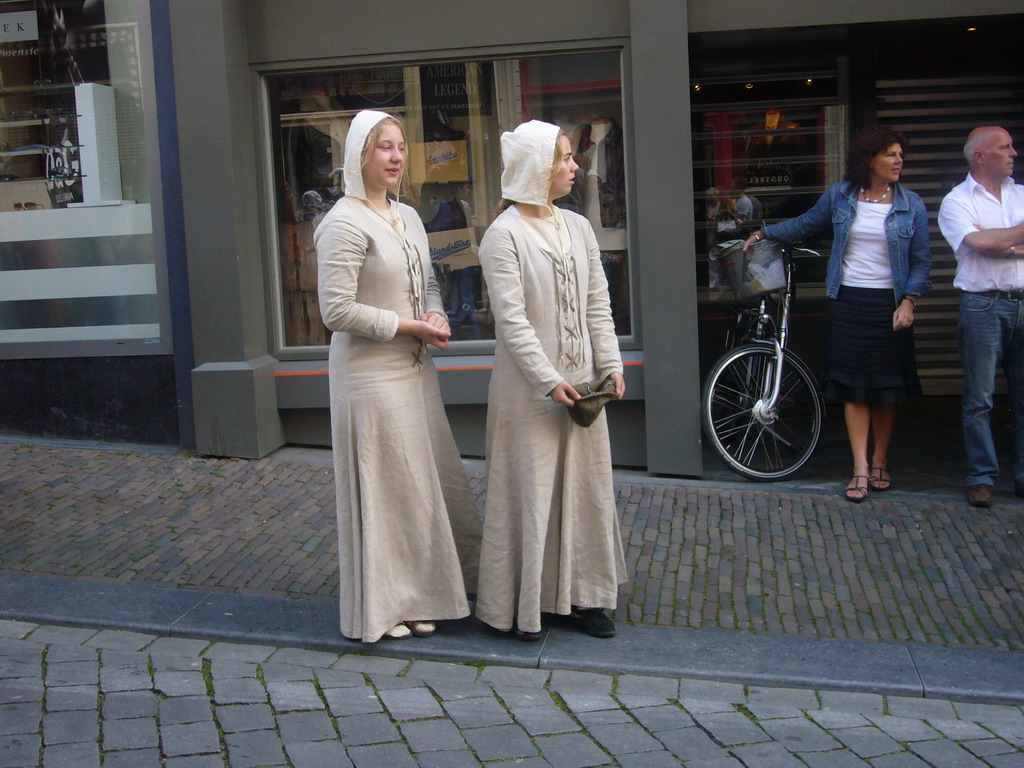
(408,530)
(551,530)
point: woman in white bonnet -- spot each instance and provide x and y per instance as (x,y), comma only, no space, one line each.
(551,532)
(408,532)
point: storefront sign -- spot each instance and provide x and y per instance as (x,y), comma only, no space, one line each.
(15,27)
(454,247)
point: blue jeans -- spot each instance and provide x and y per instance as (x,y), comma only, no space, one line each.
(991,334)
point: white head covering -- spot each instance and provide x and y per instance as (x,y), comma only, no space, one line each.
(360,128)
(526,154)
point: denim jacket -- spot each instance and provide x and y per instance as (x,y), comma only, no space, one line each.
(906,231)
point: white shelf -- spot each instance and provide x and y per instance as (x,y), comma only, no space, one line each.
(67,223)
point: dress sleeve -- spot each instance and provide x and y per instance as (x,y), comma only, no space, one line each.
(500,262)
(340,250)
(815,221)
(600,324)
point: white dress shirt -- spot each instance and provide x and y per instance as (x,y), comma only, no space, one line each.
(968,208)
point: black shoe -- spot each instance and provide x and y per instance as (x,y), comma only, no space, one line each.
(593,622)
(529,637)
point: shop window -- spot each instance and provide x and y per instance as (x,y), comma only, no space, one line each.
(454,114)
(76,249)
(763,152)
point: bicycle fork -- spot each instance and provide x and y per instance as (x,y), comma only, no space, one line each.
(764,410)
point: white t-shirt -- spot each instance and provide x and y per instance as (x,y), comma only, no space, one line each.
(866,258)
(969,208)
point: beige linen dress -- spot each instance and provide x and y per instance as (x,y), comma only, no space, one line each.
(551,530)
(408,531)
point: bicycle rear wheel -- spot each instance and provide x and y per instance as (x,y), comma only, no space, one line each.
(759,448)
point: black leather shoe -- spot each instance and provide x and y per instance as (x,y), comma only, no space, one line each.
(593,622)
(979,495)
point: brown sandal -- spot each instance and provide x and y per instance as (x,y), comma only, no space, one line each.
(877,478)
(856,493)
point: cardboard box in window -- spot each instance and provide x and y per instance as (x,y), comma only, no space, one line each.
(439,162)
(455,248)
(24,196)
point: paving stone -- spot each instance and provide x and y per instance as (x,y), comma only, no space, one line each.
(133,733)
(544,720)
(866,742)
(800,698)
(514,676)
(366,729)
(660,759)
(115,657)
(180,683)
(17,691)
(239,691)
(124,704)
(604,717)
(572,750)
(664,718)
(432,736)
(638,702)
(231,668)
(72,673)
(189,739)
(800,735)
(20,665)
(731,728)
(988,713)
(830,719)
(177,646)
(297,727)
(853,701)
(706,706)
(318,754)
(645,685)
(689,743)
(920,709)
(899,760)
(16,629)
(386,683)
(66,727)
(563,680)
(581,701)
(136,758)
(711,689)
(463,758)
(302,657)
(118,639)
(294,695)
(768,755)
(943,753)
(904,729)
(64,636)
(72,697)
(254,749)
(184,709)
(988,747)
(1016,760)
(411,704)
(81,755)
(715,762)
(352,701)
(19,750)
(283,673)
(244,717)
(132,678)
(177,663)
(521,698)
(371,665)
(20,718)
(436,670)
(379,755)
(238,652)
(477,713)
(195,761)
(622,738)
(449,691)
(335,678)
(837,759)
(499,742)
(959,730)
(767,712)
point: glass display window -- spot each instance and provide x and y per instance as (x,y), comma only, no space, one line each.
(454,114)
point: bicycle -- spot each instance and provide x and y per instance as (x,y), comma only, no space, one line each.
(761,407)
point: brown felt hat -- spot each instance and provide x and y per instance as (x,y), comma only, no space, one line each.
(593,397)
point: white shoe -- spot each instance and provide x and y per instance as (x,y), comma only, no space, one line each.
(398,632)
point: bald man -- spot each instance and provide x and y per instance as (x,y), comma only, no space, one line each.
(983,221)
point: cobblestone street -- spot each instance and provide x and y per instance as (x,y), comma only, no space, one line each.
(73,697)
(900,567)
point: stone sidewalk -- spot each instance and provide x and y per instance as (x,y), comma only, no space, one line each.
(74,697)
(901,567)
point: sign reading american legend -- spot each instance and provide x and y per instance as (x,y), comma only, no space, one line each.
(15,27)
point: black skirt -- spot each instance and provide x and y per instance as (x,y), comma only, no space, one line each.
(866,361)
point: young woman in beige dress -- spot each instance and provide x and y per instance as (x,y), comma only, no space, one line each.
(408,531)
(551,531)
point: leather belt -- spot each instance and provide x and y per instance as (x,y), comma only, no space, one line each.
(1017,294)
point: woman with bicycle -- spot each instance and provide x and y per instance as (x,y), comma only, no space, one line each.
(877,271)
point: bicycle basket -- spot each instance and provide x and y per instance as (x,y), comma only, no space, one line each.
(753,274)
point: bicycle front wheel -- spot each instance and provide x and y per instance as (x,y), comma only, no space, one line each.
(757,447)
